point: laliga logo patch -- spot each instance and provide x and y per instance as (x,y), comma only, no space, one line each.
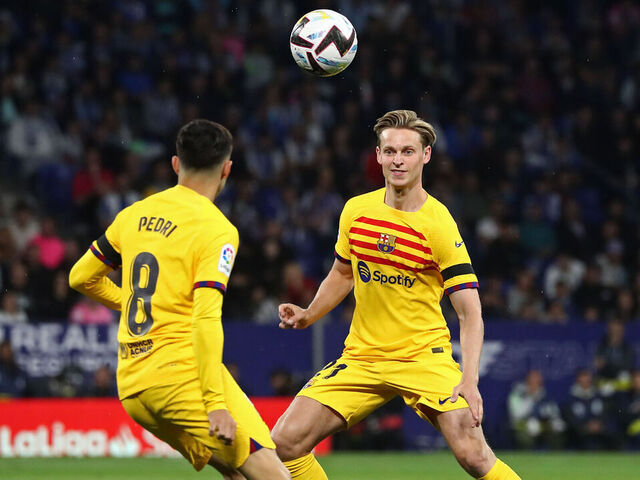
(225,264)
(386,243)
(364,272)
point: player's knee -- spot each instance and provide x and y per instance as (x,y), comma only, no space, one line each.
(288,446)
(475,459)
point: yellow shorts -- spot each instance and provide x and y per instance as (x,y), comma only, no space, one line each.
(354,387)
(176,414)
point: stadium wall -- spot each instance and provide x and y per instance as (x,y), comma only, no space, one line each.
(511,349)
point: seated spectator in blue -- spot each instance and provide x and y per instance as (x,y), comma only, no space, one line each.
(614,360)
(630,407)
(13,382)
(589,426)
(535,418)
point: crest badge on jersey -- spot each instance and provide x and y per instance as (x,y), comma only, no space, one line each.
(386,243)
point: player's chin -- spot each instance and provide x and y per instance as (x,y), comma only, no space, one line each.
(397,182)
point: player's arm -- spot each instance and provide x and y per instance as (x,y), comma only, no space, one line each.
(89,274)
(461,285)
(467,305)
(333,289)
(208,340)
(214,261)
(336,285)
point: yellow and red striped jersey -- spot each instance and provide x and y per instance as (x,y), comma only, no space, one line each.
(402,264)
(168,245)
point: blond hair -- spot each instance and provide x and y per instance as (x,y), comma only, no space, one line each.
(406,119)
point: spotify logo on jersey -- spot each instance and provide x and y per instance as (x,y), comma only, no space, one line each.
(364,272)
(383,279)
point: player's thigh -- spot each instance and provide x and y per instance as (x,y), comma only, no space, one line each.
(353,388)
(191,449)
(338,396)
(245,414)
(180,405)
(426,384)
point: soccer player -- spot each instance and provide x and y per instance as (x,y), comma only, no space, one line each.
(176,250)
(401,250)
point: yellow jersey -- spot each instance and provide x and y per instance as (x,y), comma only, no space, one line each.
(403,263)
(168,245)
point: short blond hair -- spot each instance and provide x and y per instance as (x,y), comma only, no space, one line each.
(406,119)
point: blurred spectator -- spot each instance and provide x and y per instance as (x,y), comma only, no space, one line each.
(50,245)
(281,381)
(591,298)
(537,236)
(23,226)
(69,383)
(116,199)
(493,298)
(32,140)
(87,311)
(11,313)
(13,381)
(104,383)
(57,302)
(524,295)
(535,418)
(614,360)
(21,283)
(299,288)
(564,269)
(7,250)
(89,184)
(587,418)
(613,273)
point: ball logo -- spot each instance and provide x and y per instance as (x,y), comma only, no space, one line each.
(364,272)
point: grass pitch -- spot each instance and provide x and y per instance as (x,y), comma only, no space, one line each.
(339,466)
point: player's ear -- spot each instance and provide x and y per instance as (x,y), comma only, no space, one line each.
(378,157)
(427,154)
(226,169)
(175,163)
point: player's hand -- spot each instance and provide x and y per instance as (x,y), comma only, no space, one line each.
(222,425)
(292,316)
(468,390)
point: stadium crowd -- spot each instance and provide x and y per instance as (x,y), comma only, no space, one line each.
(536,107)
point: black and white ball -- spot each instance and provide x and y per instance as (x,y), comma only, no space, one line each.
(323,42)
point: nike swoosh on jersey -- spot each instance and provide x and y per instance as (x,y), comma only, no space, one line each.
(458,245)
(442,401)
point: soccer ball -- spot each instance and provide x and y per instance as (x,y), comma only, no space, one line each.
(323,42)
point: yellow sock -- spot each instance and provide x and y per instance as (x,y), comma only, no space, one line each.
(500,471)
(306,468)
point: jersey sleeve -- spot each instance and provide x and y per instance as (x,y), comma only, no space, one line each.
(342,248)
(107,247)
(215,260)
(452,257)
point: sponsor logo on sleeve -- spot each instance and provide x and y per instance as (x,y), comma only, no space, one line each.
(227,255)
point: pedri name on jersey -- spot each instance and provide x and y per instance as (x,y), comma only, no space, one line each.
(157,224)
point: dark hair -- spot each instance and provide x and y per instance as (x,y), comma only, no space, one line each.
(203,144)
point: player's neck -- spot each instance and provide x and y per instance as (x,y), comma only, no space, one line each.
(408,199)
(202,184)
